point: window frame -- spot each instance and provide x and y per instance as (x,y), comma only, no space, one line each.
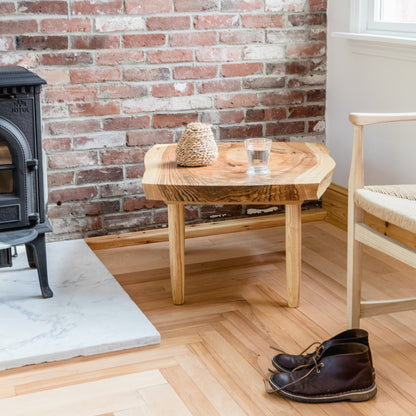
(363,21)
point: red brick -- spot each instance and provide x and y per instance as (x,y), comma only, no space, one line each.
(147,40)
(168,23)
(218,54)
(41,43)
(60,178)
(6,43)
(171,55)
(80,76)
(140,202)
(263,20)
(173,90)
(265,114)
(51,111)
(148,6)
(127,221)
(305,50)
(75,227)
(284,128)
(195,72)
(196,5)
(59,211)
(307,19)
(221,85)
(316,126)
(193,38)
(76,93)
(72,160)
(241,132)
(275,68)
(149,137)
(236,100)
(77,24)
(296,67)
(241,5)
(216,211)
(241,37)
(231,116)
(281,97)
(241,70)
(173,120)
(318,34)
(72,194)
(55,76)
(126,123)
(69,127)
(264,82)
(95,42)
(112,190)
(318,64)
(318,5)
(95,208)
(120,57)
(7,8)
(56,145)
(17,27)
(146,74)
(123,91)
(67,58)
(99,141)
(135,171)
(307,111)
(94,109)
(45,7)
(85,7)
(285,6)
(216,21)
(315,95)
(112,174)
(124,156)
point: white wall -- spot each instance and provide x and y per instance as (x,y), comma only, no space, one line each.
(364,83)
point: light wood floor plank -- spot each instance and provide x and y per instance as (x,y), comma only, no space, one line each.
(215,349)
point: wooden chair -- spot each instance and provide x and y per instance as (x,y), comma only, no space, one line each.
(395,204)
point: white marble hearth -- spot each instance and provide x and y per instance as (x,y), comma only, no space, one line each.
(89,313)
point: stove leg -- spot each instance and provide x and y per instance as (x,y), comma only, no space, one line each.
(36,255)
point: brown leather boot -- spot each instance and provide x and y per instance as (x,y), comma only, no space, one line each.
(288,362)
(343,372)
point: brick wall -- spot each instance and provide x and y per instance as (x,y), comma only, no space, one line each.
(124,75)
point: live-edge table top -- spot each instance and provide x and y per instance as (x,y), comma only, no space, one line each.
(298,171)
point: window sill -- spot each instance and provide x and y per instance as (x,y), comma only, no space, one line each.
(381,45)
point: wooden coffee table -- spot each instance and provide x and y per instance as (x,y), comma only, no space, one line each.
(298,172)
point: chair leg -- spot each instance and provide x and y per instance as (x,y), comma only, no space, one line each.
(354,284)
(354,269)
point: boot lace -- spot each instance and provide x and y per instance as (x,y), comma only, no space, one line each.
(315,367)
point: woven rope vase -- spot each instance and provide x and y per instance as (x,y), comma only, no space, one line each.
(197,146)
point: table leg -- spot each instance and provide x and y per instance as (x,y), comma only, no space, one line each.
(176,223)
(293,253)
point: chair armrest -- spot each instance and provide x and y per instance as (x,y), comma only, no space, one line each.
(363,119)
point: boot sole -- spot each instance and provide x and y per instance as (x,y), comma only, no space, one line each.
(352,396)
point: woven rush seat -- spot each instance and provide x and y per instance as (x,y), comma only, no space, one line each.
(392,203)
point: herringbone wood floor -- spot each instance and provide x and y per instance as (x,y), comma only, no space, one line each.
(215,349)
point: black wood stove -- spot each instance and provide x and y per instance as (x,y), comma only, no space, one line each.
(23,197)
